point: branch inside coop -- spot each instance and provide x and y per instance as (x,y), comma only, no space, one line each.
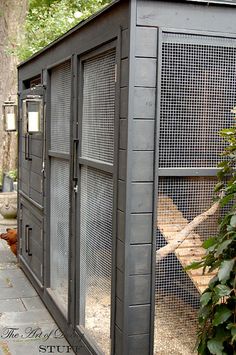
(184,233)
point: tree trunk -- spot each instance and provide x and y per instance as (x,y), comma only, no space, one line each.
(12,16)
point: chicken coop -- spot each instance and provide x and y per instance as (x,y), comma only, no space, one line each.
(118,152)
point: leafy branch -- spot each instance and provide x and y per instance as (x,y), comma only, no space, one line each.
(49,19)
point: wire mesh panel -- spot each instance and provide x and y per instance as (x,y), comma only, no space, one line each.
(59,229)
(60,107)
(99,107)
(177,291)
(198,90)
(96,254)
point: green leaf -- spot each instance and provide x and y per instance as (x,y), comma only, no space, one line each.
(222,333)
(221,315)
(227,131)
(194,265)
(222,290)
(223,246)
(209,242)
(233,221)
(215,346)
(213,282)
(205,298)
(204,313)
(233,333)
(225,200)
(225,270)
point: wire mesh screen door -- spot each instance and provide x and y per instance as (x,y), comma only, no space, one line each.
(96,196)
(60,182)
(198,91)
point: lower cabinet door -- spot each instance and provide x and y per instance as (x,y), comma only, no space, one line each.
(31,238)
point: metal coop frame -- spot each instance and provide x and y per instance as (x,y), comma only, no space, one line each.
(131,103)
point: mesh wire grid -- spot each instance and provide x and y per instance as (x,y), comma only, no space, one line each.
(59,228)
(99,107)
(96,252)
(60,107)
(177,294)
(198,90)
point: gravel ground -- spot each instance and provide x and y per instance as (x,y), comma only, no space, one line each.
(175,324)
(175,327)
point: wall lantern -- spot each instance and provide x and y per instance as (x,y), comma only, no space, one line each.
(9,109)
(33,113)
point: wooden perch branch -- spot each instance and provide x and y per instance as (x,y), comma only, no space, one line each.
(183,234)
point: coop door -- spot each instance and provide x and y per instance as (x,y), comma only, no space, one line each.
(198,91)
(96,164)
(59,155)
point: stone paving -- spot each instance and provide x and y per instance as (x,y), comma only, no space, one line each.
(26,327)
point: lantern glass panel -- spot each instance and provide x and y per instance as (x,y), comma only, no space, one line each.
(9,116)
(34,116)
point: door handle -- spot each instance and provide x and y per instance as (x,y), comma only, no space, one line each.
(27,147)
(74,159)
(28,143)
(27,242)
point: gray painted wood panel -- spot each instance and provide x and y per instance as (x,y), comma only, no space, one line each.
(24,175)
(36,196)
(120,255)
(121,195)
(144,102)
(139,344)
(36,164)
(143,135)
(124,102)
(36,182)
(119,313)
(141,197)
(36,148)
(140,259)
(24,187)
(142,165)
(141,228)
(120,284)
(186,16)
(123,134)
(124,80)
(139,289)
(121,225)
(139,317)
(118,341)
(145,72)
(122,164)
(125,43)
(146,42)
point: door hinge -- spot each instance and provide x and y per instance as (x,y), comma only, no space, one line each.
(76,189)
